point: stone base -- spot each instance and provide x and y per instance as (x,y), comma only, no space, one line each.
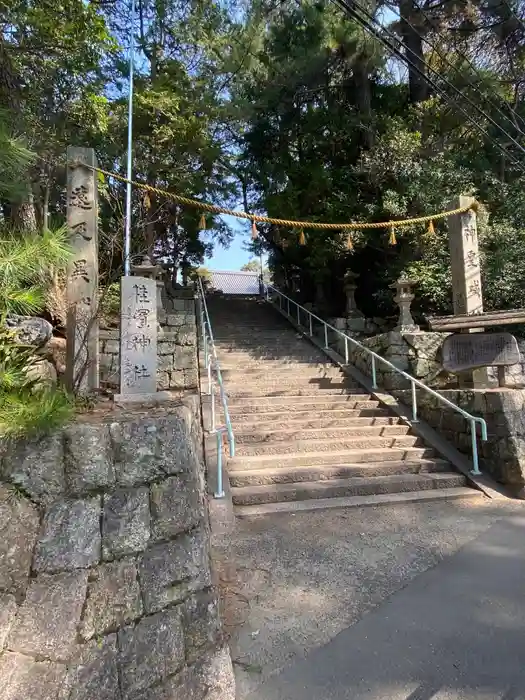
(157,397)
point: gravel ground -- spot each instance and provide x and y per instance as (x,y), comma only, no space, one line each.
(290,583)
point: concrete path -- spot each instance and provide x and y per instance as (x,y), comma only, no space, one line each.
(455,632)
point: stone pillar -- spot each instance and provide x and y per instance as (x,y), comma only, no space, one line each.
(82,370)
(467,296)
(403,299)
(138,338)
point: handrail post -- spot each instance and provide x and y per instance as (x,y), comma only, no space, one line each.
(374,375)
(346,350)
(220,491)
(288,305)
(475,459)
(298,315)
(209,376)
(310,319)
(325,335)
(212,409)
(414,402)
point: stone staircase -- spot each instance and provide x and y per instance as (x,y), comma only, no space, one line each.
(308,436)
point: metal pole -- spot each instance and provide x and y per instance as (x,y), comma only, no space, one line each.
(129,171)
(414,402)
(475,459)
(220,491)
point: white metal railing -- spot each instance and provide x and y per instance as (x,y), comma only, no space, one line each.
(214,375)
(377,358)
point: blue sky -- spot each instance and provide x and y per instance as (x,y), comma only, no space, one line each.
(235,256)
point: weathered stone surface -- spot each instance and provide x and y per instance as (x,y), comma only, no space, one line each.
(462,351)
(211,678)
(30,330)
(46,624)
(126,523)
(7,615)
(168,572)
(43,373)
(149,448)
(163,381)
(178,379)
(94,675)
(202,628)
(19,525)
(151,651)
(70,536)
(185,358)
(113,598)
(165,363)
(55,351)
(37,467)
(176,506)
(24,678)
(88,458)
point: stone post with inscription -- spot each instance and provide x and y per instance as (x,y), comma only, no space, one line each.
(138,339)
(82,369)
(466,274)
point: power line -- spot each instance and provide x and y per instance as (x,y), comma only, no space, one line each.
(393,43)
(469,62)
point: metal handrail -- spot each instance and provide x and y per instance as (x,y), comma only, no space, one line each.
(377,358)
(212,367)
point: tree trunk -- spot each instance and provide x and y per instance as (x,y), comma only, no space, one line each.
(410,16)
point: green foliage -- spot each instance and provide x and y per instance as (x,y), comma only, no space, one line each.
(26,266)
(26,413)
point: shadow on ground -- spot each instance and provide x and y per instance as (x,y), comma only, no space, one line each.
(296,581)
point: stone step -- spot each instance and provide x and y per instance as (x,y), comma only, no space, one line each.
(335,457)
(272,356)
(263,367)
(277,373)
(287,475)
(345,442)
(249,437)
(291,404)
(391,499)
(312,419)
(293,391)
(344,488)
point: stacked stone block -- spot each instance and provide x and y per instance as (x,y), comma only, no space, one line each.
(105,583)
(176,349)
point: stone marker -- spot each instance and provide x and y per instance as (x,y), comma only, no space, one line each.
(138,337)
(463,352)
(82,275)
(467,296)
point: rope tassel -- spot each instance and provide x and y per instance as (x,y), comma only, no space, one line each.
(431,230)
(392,240)
(349,242)
(302,238)
(255,233)
(202,223)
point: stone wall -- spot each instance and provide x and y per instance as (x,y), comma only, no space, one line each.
(106,589)
(503,454)
(176,349)
(418,354)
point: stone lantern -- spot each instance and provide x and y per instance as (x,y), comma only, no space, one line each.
(403,299)
(355,320)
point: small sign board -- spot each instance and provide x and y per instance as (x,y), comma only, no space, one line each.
(464,351)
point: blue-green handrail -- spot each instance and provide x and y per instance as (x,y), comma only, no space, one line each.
(213,371)
(377,358)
